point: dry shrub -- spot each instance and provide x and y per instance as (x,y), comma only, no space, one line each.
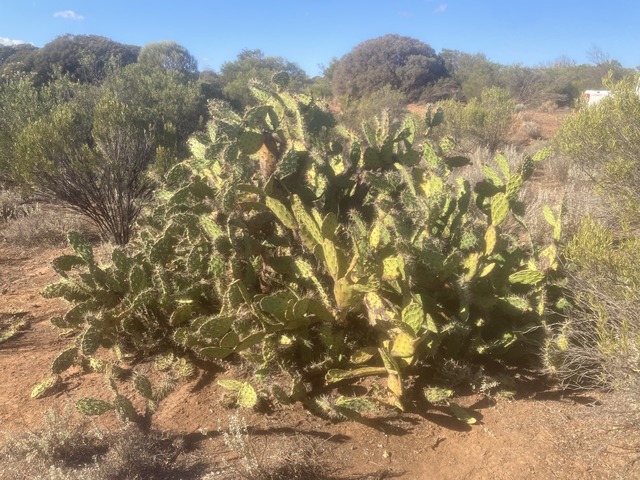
(549,106)
(12,204)
(280,457)
(531,129)
(66,449)
(51,452)
(285,457)
(44,226)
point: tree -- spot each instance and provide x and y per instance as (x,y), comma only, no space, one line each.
(401,63)
(87,58)
(474,72)
(12,56)
(253,64)
(170,56)
(210,84)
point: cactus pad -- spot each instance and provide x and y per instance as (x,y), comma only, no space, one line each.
(413,315)
(250,142)
(527,277)
(499,209)
(282,213)
(336,375)
(64,360)
(247,396)
(46,387)
(403,346)
(93,406)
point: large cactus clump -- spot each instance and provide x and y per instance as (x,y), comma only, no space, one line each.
(318,255)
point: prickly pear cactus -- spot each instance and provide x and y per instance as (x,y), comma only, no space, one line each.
(314,253)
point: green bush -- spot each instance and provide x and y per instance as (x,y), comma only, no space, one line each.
(603,142)
(319,257)
(600,344)
(483,122)
(354,112)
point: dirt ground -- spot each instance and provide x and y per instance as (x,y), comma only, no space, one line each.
(542,434)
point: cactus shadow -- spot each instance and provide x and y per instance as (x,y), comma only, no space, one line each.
(441,416)
(205,379)
(324,436)
(576,396)
(387,425)
(445,420)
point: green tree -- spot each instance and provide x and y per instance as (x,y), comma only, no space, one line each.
(170,56)
(401,63)
(254,65)
(210,84)
(87,58)
(12,57)
(473,72)
(21,103)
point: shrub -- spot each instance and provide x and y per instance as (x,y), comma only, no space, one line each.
(317,256)
(12,204)
(354,113)
(603,142)
(600,344)
(65,449)
(480,122)
(531,129)
(96,166)
(43,225)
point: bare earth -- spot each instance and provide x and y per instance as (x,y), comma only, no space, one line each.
(543,434)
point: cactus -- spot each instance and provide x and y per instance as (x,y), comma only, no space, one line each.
(46,387)
(93,406)
(311,253)
(245,394)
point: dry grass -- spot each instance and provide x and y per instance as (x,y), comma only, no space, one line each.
(284,457)
(44,226)
(26,222)
(12,204)
(66,449)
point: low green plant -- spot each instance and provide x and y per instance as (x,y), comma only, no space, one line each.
(483,121)
(599,345)
(318,256)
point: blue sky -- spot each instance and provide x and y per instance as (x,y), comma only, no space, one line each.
(310,33)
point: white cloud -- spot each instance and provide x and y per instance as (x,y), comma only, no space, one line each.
(405,13)
(68,14)
(8,42)
(441,8)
